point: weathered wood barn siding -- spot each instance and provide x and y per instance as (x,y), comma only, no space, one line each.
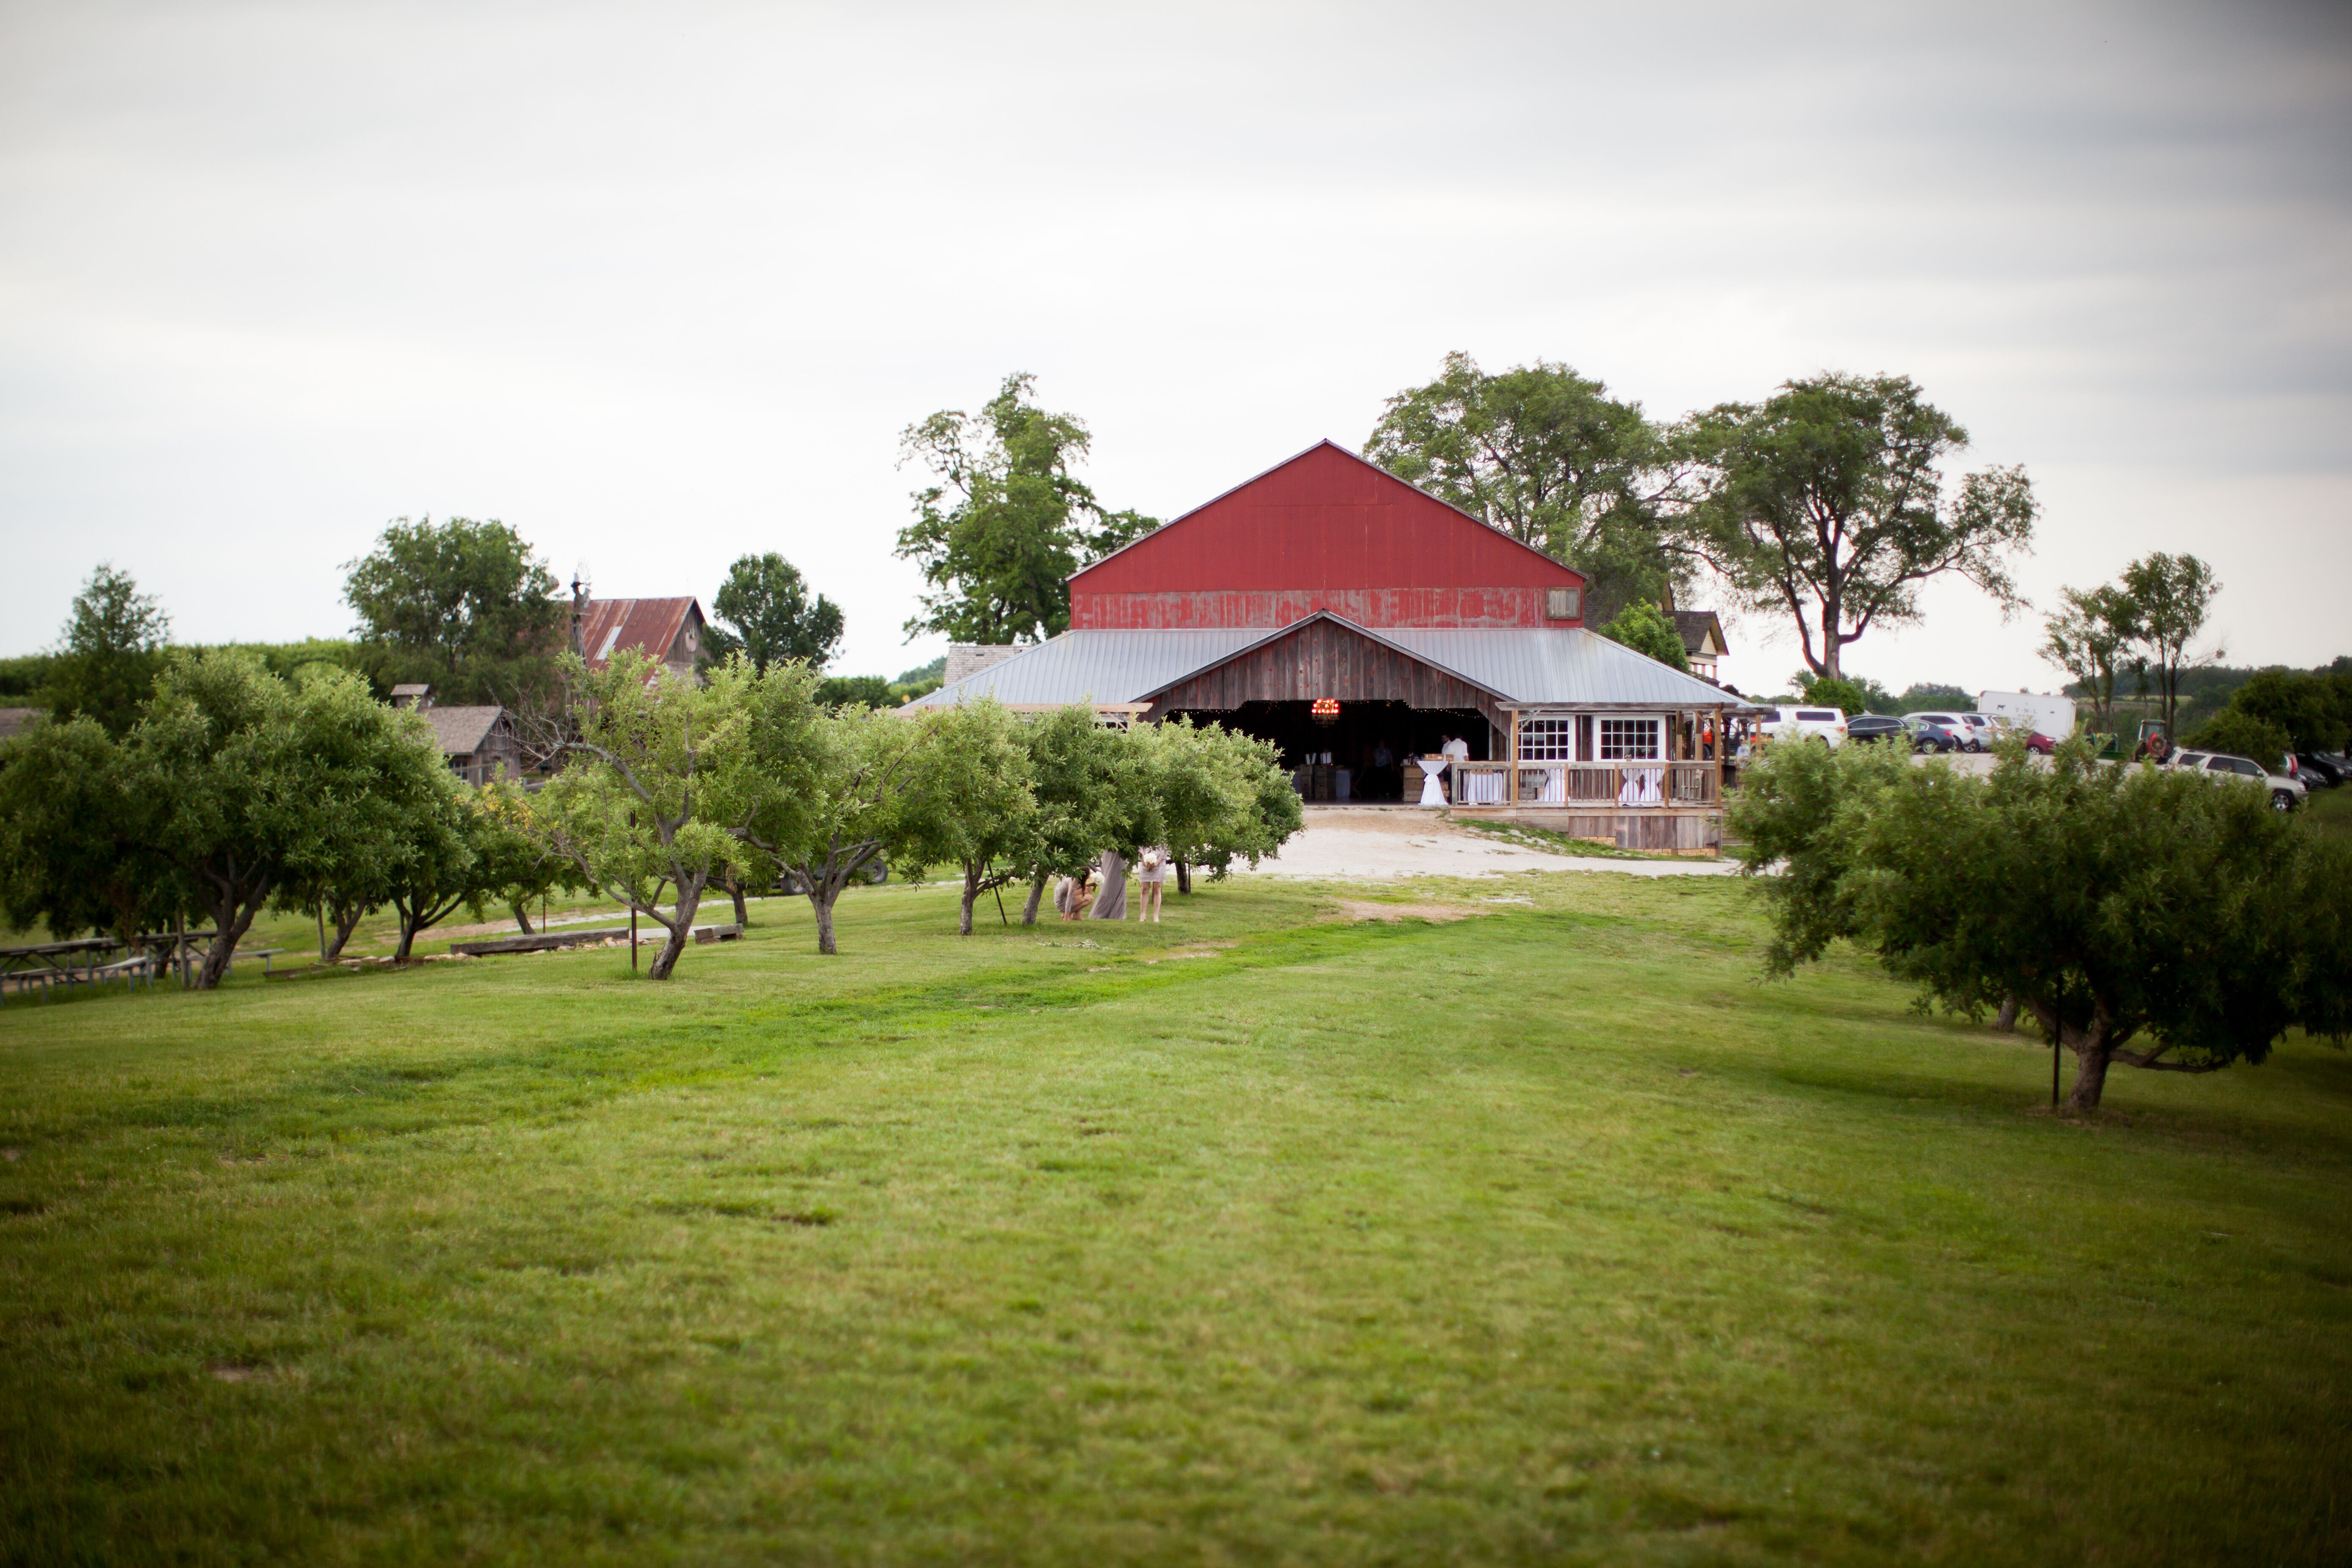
(1323,659)
(1324,530)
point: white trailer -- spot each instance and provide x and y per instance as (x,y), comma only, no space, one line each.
(2053,717)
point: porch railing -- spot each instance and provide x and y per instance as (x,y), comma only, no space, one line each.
(1615,785)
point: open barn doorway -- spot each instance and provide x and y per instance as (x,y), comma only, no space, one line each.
(1359,753)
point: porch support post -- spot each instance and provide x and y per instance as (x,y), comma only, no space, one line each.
(1720,739)
(1511,791)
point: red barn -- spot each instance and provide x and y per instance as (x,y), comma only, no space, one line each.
(1326,530)
(1358,623)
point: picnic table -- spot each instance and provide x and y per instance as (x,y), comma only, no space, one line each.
(46,964)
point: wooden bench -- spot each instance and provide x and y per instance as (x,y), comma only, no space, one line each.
(716,933)
(542,942)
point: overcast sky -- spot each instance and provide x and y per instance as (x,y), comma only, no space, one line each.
(661,285)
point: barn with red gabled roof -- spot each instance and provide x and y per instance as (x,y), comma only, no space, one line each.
(1394,646)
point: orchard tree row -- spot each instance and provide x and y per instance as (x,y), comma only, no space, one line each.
(232,790)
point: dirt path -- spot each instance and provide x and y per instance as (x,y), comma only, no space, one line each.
(1344,845)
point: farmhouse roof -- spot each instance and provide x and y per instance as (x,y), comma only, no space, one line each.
(648,626)
(1696,627)
(460,731)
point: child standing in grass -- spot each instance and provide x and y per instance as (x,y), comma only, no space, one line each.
(1151,883)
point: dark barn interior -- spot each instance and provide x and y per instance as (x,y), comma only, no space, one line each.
(1354,738)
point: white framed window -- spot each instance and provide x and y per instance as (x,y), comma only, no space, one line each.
(1630,740)
(1547,740)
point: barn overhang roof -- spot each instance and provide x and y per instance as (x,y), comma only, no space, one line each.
(1518,668)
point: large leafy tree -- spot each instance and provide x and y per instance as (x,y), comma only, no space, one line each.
(1827,502)
(1092,790)
(973,805)
(439,865)
(823,793)
(464,605)
(763,610)
(2171,595)
(1218,795)
(2090,638)
(1006,521)
(113,650)
(1644,627)
(518,867)
(1551,459)
(2165,920)
(642,810)
(75,835)
(2309,707)
(255,782)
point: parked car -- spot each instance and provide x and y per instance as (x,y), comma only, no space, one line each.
(1971,738)
(2287,793)
(2037,741)
(1787,723)
(1929,733)
(1875,726)
(2325,768)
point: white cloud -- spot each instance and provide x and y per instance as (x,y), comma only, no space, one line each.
(660,285)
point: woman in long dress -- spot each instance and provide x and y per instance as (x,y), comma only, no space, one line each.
(1110,904)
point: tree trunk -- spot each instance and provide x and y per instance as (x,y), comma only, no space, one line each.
(821,897)
(231,922)
(1036,892)
(2091,1057)
(408,929)
(2007,1021)
(522,916)
(689,899)
(1185,876)
(742,910)
(347,920)
(970,896)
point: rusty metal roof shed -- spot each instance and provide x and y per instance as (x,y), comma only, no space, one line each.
(648,626)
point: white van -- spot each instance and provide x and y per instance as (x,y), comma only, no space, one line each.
(1787,723)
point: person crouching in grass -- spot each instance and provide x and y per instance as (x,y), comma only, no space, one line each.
(1072,895)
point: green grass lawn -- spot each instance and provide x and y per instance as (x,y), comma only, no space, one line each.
(1262,1236)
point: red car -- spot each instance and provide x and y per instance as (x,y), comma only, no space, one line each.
(2037,741)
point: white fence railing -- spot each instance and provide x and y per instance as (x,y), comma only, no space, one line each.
(1614,785)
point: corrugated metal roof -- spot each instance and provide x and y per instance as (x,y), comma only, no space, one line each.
(1562,667)
(1567,667)
(1097,666)
(650,626)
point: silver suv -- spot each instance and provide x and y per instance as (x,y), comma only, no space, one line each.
(1974,729)
(2286,794)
